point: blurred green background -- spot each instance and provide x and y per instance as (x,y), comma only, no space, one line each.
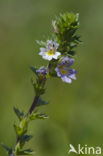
(76,110)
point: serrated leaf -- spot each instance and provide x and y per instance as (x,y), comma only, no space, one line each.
(22,128)
(19,114)
(25,138)
(34,116)
(17,129)
(7,149)
(25,152)
(41,102)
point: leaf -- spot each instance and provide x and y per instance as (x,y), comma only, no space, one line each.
(41,102)
(71,53)
(68,24)
(7,149)
(25,152)
(41,90)
(34,116)
(19,114)
(34,84)
(17,129)
(22,128)
(34,69)
(25,138)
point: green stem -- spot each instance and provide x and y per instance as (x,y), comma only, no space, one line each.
(31,109)
(36,98)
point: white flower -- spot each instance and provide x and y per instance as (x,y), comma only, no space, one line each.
(50,52)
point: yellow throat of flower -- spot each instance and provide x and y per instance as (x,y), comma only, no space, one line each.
(63,71)
(51,52)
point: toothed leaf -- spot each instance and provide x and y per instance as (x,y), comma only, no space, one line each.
(22,128)
(34,116)
(34,70)
(24,139)
(7,149)
(25,152)
(19,114)
(41,102)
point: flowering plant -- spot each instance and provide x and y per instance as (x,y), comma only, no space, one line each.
(59,52)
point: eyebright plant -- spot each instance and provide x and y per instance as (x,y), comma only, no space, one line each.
(59,53)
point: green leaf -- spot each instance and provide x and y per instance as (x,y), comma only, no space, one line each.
(25,152)
(38,86)
(41,91)
(17,129)
(7,149)
(67,24)
(41,102)
(34,116)
(34,70)
(24,139)
(19,114)
(22,128)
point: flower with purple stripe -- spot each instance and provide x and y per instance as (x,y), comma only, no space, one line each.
(42,71)
(64,71)
(50,52)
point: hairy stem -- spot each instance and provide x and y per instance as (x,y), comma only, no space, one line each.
(31,109)
(36,98)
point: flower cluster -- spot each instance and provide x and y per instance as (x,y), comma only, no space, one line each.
(60,50)
(62,69)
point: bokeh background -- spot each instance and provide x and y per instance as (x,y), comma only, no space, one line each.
(76,110)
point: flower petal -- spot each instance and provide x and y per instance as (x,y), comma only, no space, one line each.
(67,61)
(47,57)
(42,53)
(58,72)
(72,71)
(56,45)
(42,71)
(42,49)
(66,79)
(73,76)
(56,55)
(49,44)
